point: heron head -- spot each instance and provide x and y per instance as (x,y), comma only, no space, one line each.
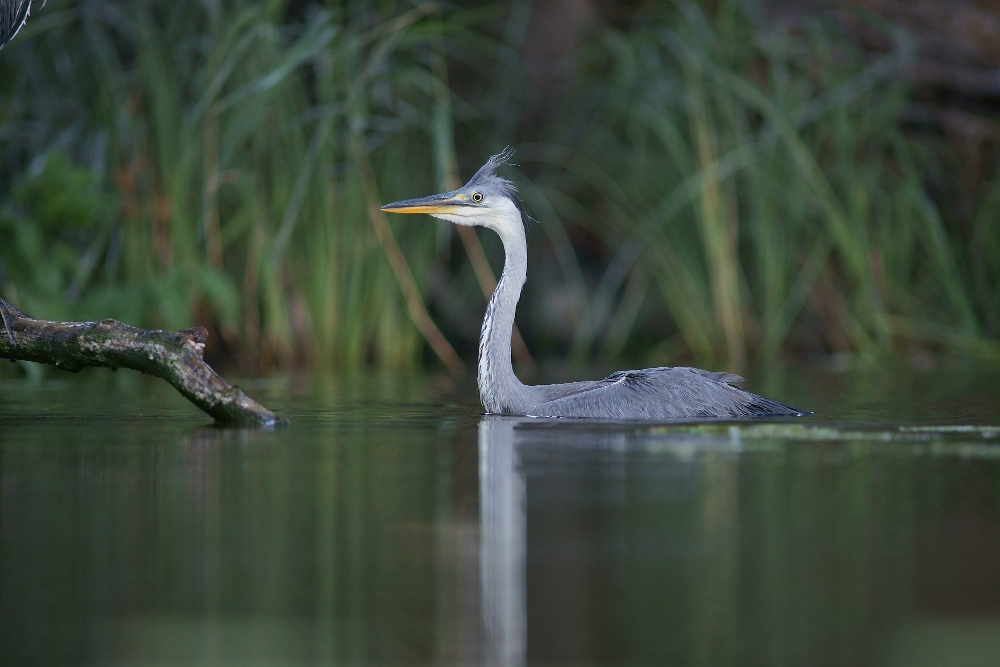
(486,200)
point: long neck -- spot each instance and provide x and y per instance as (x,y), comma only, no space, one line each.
(499,389)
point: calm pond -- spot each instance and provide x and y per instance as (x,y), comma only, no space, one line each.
(391,524)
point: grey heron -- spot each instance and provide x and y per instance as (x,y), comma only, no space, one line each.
(666,393)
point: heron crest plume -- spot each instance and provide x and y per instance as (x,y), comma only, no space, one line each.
(487,176)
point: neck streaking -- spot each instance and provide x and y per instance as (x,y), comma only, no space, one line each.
(500,390)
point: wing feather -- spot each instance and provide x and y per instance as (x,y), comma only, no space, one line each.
(663,393)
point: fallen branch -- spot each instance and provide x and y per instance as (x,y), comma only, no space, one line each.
(175,357)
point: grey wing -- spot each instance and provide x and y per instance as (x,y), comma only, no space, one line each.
(551,392)
(663,393)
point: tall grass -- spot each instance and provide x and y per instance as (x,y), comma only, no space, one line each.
(235,145)
(751,186)
(758,182)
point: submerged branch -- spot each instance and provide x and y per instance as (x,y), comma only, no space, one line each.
(174,357)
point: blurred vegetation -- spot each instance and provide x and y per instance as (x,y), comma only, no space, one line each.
(711,185)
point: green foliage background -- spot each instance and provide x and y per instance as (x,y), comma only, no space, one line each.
(709,184)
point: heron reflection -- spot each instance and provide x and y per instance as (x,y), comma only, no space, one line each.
(503,550)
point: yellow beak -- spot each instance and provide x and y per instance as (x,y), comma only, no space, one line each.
(443,203)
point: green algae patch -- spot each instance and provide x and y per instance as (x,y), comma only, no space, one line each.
(799,432)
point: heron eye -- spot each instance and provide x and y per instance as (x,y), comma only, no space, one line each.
(477,196)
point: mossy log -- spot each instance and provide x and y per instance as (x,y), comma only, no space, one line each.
(175,357)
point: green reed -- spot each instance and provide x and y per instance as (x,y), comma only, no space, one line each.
(752,187)
(230,143)
(768,195)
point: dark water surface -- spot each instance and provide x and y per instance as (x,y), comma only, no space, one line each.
(391,525)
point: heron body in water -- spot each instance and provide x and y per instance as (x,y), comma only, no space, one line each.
(491,201)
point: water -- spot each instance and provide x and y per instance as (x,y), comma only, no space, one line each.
(391,524)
